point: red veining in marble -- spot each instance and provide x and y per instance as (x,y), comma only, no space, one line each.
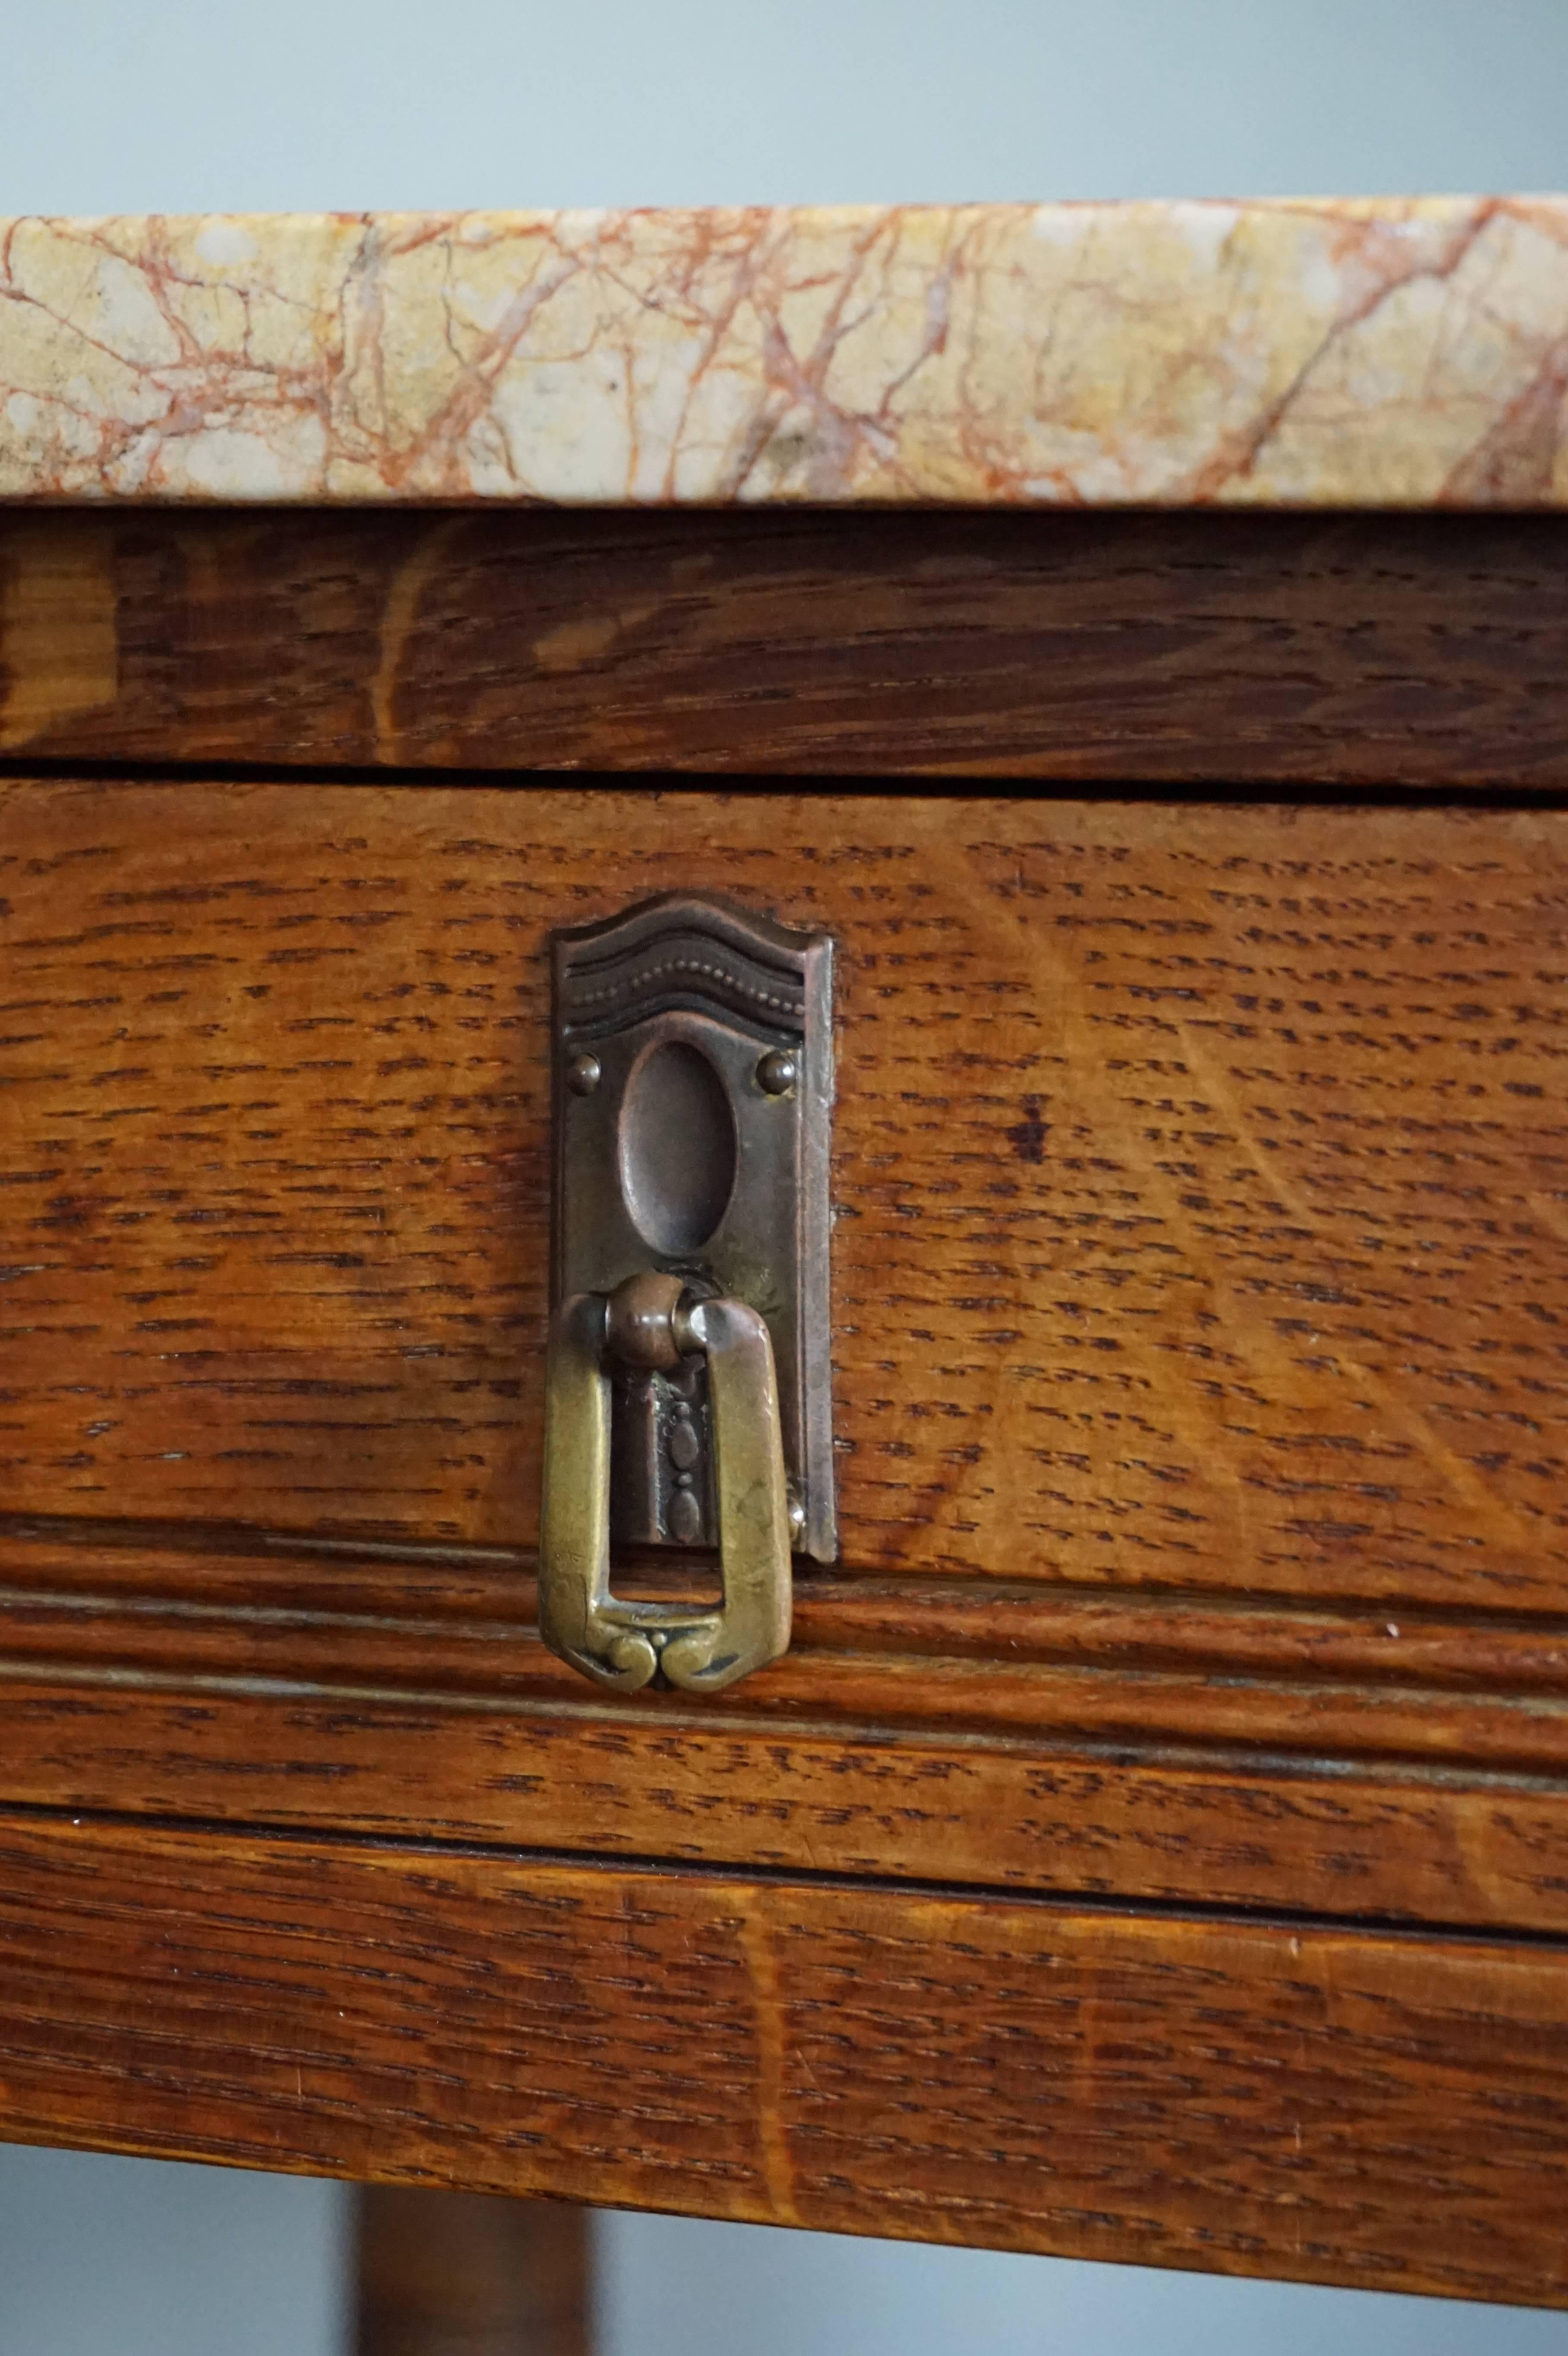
(1279,353)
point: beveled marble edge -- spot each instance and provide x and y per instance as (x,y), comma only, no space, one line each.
(1290,354)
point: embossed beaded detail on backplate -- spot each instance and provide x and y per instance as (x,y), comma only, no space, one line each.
(662,962)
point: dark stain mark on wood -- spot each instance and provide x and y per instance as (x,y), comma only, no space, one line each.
(1026,1137)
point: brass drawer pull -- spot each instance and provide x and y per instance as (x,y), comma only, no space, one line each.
(653,1322)
(688,1395)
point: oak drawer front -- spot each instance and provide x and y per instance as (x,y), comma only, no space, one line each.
(1197,1266)
(1201,1176)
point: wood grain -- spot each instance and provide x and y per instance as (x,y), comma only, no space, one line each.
(464,2273)
(1203,1201)
(1469,1851)
(1201,1273)
(974,1657)
(1137,1298)
(1155,1747)
(1325,2104)
(1415,652)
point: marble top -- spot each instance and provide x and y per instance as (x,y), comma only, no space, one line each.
(1274,354)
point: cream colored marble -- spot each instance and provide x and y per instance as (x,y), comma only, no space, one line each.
(1281,354)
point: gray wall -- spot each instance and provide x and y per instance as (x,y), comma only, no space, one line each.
(178,105)
(680,2286)
(144,2257)
(171,105)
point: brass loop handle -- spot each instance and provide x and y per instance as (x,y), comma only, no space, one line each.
(652,1321)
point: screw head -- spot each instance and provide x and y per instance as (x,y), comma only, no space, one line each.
(584,1074)
(778,1072)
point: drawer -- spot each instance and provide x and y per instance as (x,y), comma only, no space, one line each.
(1200,1176)
(1199,1242)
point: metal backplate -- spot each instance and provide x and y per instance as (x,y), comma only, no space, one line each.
(693,1083)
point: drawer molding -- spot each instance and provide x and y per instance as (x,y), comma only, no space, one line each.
(1172,1749)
